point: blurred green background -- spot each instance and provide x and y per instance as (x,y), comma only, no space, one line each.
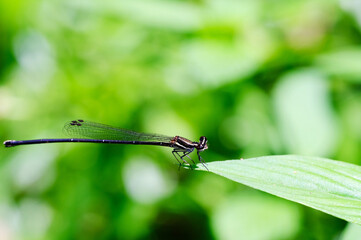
(256,77)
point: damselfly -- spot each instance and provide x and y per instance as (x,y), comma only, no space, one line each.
(91,132)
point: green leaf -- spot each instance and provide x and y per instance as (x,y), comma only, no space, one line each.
(330,186)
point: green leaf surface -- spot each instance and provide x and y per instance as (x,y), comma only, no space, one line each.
(330,186)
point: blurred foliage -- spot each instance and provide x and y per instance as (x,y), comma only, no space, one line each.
(255,77)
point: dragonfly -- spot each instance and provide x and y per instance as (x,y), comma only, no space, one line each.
(92,132)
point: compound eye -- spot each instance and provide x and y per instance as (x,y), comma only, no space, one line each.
(202,141)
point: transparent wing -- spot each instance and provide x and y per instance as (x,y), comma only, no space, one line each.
(92,130)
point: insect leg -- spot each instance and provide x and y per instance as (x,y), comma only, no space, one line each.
(202,161)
